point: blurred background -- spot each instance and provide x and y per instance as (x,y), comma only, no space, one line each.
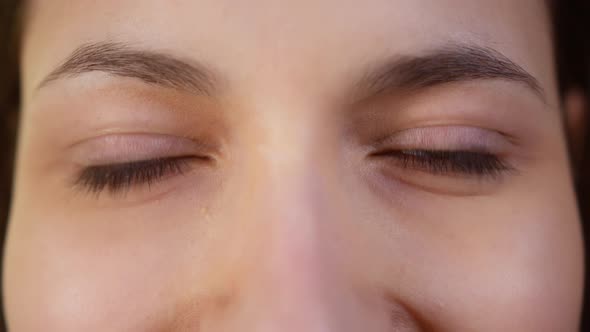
(572,31)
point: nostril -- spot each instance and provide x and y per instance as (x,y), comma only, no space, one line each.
(404,318)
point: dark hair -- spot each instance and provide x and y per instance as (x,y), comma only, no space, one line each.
(9,103)
(9,99)
(572,52)
(571,20)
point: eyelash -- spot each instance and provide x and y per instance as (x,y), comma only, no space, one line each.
(120,177)
(444,162)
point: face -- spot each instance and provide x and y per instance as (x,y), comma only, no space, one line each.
(291,166)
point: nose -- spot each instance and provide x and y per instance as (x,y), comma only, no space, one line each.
(296,281)
(294,271)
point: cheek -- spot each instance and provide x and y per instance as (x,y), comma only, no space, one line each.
(76,273)
(549,251)
(71,286)
(511,261)
(522,271)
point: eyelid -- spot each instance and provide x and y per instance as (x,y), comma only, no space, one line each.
(446,138)
(451,152)
(123,177)
(127,148)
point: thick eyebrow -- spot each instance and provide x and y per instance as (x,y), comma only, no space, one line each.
(449,64)
(151,67)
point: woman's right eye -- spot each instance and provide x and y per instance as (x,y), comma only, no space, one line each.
(118,163)
(120,177)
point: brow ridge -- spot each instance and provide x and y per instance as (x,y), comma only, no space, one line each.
(449,64)
(120,59)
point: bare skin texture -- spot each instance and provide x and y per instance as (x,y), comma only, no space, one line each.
(276,166)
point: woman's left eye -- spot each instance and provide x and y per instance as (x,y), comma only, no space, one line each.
(123,176)
(448,162)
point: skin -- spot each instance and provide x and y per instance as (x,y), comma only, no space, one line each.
(294,226)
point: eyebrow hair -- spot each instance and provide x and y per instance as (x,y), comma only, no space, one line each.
(151,67)
(449,64)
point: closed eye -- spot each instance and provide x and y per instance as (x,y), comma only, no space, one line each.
(448,162)
(123,176)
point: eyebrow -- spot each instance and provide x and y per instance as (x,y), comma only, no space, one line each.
(449,64)
(151,67)
(441,66)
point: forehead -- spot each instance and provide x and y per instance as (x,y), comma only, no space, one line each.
(294,38)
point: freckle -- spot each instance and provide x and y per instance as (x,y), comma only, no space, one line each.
(205,213)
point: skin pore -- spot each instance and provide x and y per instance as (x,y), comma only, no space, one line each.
(260,165)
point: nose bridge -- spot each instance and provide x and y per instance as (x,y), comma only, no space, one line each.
(297,257)
(296,208)
(290,278)
(292,156)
